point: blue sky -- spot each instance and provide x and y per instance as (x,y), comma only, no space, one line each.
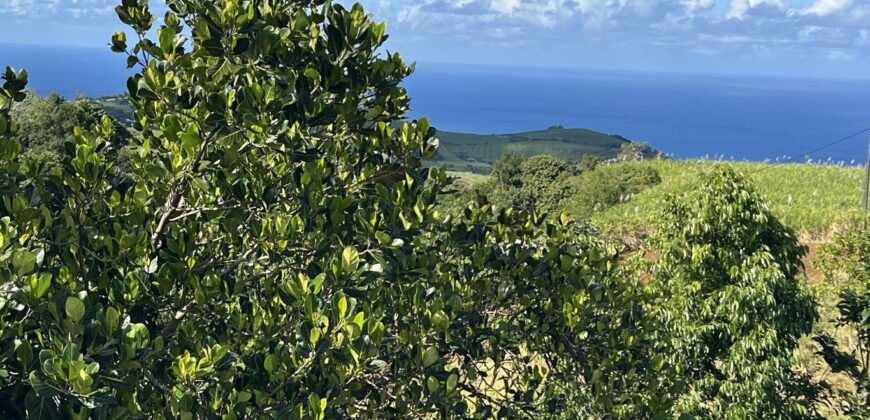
(829,38)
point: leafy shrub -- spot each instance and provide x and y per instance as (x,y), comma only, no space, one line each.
(609,185)
(588,163)
(731,306)
(846,260)
(45,125)
(531,183)
(633,151)
(278,252)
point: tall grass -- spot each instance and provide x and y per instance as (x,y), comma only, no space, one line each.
(812,199)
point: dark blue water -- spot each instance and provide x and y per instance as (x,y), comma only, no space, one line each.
(70,71)
(753,118)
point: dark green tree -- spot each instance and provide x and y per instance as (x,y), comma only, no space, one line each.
(277,252)
(532,183)
(731,305)
(608,185)
(588,163)
(45,125)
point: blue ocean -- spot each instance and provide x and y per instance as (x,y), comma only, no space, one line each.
(684,115)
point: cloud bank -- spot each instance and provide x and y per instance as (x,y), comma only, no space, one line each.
(835,29)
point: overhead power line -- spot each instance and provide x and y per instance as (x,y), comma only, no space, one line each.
(831,144)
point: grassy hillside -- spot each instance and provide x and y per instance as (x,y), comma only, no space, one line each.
(476,152)
(812,199)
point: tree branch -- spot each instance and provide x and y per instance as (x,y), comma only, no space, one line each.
(180,314)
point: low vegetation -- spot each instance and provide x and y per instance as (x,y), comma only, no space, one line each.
(624,198)
(814,200)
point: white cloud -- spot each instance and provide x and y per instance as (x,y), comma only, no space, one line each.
(739,9)
(831,29)
(828,7)
(504,6)
(840,55)
(694,6)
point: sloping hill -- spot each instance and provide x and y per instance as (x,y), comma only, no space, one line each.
(477,152)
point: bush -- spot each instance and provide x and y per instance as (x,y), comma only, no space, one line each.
(588,163)
(278,252)
(731,306)
(635,151)
(533,183)
(609,185)
(45,125)
(846,261)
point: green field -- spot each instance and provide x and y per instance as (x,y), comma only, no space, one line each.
(477,152)
(812,199)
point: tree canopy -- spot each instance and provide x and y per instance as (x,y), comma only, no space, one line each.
(46,123)
(731,304)
(276,252)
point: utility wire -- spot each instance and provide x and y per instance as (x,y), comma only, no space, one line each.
(818,149)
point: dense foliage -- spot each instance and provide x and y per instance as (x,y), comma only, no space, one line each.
(608,185)
(731,304)
(276,251)
(846,262)
(551,184)
(635,151)
(275,248)
(45,125)
(531,183)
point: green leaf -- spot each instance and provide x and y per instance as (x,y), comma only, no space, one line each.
(316,405)
(138,335)
(377,365)
(359,319)
(39,285)
(452,381)
(350,259)
(342,307)
(658,362)
(75,309)
(189,142)
(112,319)
(440,321)
(317,283)
(24,262)
(119,42)
(596,375)
(432,384)
(430,356)
(271,363)
(24,353)
(152,266)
